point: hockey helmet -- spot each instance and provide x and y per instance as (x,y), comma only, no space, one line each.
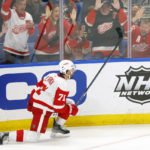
(65,65)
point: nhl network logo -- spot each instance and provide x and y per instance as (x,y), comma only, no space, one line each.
(135,85)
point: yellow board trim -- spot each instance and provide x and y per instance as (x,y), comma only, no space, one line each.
(93,120)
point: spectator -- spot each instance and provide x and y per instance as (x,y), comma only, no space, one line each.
(78,46)
(141,39)
(103,20)
(36,9)
(20,26)
(47,45)
(137,14)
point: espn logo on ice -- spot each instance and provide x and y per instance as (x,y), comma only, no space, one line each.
(135,85)
(16,87)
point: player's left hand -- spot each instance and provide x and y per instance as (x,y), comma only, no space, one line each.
(73,109)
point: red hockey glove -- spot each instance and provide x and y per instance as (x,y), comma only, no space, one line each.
(73,109)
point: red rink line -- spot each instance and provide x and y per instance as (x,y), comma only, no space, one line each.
(116,142)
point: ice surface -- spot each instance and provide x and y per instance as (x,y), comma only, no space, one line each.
(118,137)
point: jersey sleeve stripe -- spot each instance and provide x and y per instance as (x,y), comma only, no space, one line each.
(4,12)
(90,25)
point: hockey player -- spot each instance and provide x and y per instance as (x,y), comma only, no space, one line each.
(48,97)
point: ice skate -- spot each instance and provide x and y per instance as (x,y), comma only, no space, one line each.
(3,137)
(59,129)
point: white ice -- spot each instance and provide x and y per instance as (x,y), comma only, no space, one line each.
(117,137)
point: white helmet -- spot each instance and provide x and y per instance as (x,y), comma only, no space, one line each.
(65,65)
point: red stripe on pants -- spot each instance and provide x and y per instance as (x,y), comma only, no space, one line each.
(20,134)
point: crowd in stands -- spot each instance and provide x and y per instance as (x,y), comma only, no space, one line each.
(29,30)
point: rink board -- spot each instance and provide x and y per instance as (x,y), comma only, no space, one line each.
(119,95)
(78,121)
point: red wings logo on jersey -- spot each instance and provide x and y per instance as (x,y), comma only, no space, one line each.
(104,27)
(51,34)
(17,29)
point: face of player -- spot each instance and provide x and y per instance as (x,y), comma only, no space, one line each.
(21,6)
(55,13)
(70,73)
(144,28)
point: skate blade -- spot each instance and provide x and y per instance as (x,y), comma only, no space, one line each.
(59,135)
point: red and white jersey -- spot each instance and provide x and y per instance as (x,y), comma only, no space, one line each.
(49,31)
(140,45)
(17,34)
(103,28)
(51,92)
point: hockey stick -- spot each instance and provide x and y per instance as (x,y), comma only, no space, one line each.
(120,34)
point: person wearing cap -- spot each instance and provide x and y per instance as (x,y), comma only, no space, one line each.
(103,20)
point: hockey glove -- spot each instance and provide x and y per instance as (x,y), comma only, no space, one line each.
(73,109)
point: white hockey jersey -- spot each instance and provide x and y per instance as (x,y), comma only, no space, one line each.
(51,92)
(17,35)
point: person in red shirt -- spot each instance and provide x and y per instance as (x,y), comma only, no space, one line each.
(47,45)
(141,39)
(48,97)
(78,46)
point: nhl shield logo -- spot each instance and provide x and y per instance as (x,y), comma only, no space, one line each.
(135,85)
